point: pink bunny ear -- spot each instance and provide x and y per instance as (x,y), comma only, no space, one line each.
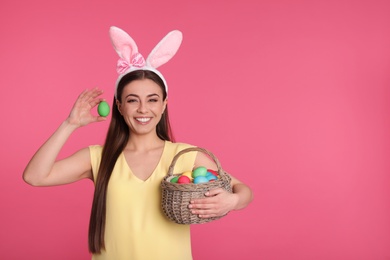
(127,50)
(165,49)
(123,44)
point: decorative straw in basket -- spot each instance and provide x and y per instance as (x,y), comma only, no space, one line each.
(176,197)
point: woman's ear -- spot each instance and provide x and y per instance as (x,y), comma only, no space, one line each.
(165,105)
(118,105)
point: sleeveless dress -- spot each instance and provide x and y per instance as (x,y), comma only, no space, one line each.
(136,227)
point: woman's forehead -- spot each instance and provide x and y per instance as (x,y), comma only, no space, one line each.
(142,87)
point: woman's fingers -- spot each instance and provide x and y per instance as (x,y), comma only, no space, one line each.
(217,202)
(81,112)
(89,96)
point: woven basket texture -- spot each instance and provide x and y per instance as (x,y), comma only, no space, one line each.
(176,197)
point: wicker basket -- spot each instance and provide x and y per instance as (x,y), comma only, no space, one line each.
(176,197)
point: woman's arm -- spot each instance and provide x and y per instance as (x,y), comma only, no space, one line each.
(219,201)
(43,169)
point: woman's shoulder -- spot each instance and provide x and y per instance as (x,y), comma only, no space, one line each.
(178,146)
(95,150)
(184,159)
(95,147)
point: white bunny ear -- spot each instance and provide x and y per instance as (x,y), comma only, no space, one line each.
(165,49)
(123,44)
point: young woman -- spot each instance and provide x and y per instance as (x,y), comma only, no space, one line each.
(127,221)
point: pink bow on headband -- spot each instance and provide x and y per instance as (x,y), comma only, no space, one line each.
(137,60)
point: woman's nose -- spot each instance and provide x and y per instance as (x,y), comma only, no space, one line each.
(142,108)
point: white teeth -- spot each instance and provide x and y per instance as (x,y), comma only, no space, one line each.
(143,119)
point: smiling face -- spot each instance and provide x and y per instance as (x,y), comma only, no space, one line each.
(142,106)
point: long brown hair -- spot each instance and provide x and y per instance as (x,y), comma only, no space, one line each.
(117,137)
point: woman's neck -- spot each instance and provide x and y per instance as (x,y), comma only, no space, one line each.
(144,142)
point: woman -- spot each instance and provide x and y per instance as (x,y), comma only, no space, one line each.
(127,221)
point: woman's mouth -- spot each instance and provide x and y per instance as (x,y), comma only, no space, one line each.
(143,120)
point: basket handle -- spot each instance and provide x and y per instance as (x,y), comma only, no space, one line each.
(195,149)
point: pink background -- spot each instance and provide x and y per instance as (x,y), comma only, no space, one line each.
(291,96)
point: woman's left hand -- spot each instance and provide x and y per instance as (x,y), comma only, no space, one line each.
(218,202)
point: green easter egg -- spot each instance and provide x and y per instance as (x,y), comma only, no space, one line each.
(174,179)
(200,171)
(103,109)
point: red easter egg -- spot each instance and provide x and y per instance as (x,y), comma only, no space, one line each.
(183,179)
(215,173)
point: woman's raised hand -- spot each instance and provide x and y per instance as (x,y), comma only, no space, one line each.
(44,169)
(80,114)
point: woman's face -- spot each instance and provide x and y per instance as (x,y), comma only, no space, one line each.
(142,106)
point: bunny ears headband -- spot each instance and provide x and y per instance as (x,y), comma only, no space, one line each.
(130,59)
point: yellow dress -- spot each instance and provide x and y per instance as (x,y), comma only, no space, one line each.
(136,227)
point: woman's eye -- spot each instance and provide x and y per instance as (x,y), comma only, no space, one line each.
(131,100)
(153,100)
